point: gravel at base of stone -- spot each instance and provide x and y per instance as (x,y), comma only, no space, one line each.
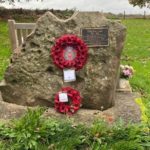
(126,107)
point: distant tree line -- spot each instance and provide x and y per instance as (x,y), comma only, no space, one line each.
(28,15)
(141,3)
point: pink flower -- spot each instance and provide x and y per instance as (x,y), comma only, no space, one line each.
(127,72)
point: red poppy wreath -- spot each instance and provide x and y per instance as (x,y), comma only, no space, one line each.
(69,51)
(72,105)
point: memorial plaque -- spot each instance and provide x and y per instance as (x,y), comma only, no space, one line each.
(95,37)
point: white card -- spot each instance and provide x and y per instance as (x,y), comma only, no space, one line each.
(63,97)
(69,75)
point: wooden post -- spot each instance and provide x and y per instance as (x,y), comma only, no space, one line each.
(144,14)
(13,35)
(124,15)
(18,33)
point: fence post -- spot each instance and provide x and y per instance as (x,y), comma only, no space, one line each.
(144,14)
(124,15)
(12,34)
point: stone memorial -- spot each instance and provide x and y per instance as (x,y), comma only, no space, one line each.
(33,79)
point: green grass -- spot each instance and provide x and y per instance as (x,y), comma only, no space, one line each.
(4,48)
(33,132)
(136,52)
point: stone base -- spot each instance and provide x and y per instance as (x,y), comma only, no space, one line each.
(2,83)
(11,111)
(125,108)
(124,86)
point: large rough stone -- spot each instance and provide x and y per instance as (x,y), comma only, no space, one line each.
(32,78)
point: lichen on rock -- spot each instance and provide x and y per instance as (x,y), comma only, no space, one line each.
(32,78)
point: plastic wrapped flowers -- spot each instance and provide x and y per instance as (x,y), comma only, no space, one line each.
(126,71)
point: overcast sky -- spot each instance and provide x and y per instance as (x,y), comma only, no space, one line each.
(114,6)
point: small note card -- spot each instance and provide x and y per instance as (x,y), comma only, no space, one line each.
(63,97)
(69,75)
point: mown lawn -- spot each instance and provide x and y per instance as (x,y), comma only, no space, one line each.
(136,53)
(4,48)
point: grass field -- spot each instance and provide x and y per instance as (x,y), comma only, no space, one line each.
(4,48)
(136,53)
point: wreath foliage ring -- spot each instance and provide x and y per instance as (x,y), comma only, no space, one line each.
(74,103)
(77,48)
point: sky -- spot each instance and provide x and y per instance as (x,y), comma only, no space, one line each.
(114,6)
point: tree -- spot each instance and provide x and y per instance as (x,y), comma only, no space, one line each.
(141,3)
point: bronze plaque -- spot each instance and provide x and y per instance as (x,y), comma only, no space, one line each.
(95,37)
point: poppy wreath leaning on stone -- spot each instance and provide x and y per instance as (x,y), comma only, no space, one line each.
(69,51)
(74,103)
